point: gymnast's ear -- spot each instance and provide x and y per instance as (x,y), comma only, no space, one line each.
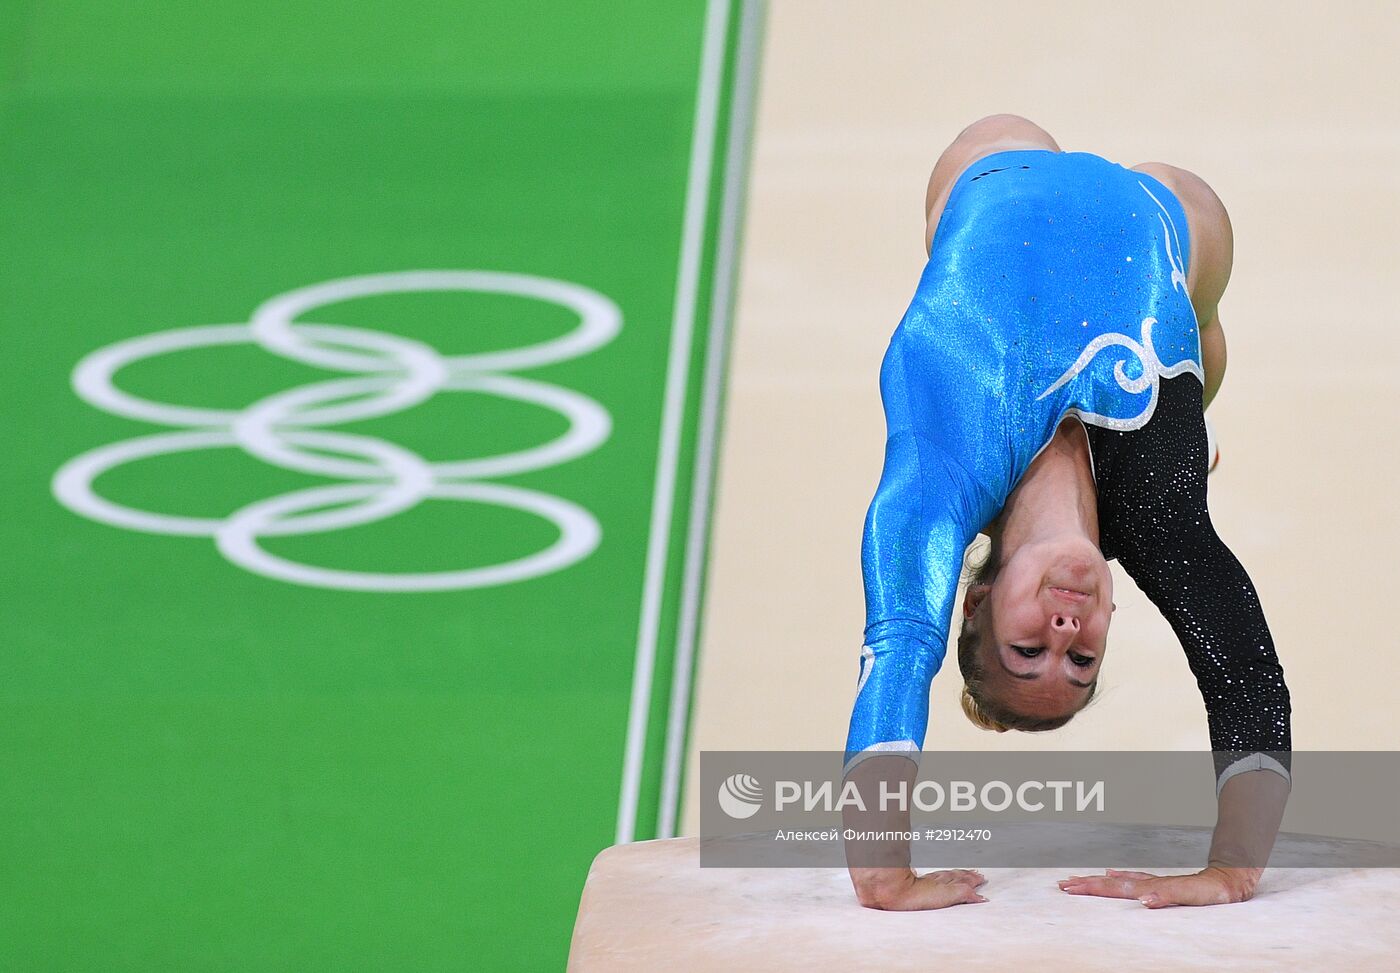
(973,598)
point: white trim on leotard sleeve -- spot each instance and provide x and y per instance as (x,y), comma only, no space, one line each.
(903,748)
(1253,761)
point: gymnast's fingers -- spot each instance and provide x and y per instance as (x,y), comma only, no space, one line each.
(934,891)
(1109,886)
(965,876)
(1185,890)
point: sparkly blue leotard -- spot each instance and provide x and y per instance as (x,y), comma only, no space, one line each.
(1056,286)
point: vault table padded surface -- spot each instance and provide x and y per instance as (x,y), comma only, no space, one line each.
(650,906)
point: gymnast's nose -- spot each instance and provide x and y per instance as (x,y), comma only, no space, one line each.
(1064,622)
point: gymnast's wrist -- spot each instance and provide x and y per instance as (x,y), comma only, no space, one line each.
(1239,883)
(881,888)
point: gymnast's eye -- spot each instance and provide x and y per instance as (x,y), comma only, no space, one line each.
(1082,661)
(1029,651)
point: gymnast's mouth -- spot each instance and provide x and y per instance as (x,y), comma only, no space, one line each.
(1069,594)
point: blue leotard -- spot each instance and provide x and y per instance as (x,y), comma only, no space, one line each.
(1056,286)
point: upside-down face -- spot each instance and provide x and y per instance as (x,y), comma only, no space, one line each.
(1046,618)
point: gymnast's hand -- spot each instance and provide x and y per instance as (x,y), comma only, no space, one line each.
(878,855)
(1215,885)
(900,890)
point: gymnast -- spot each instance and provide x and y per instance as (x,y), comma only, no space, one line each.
(1047,388)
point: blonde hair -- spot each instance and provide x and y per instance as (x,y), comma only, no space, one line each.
(974,712)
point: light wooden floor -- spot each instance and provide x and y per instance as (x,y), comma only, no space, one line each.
(1290,110)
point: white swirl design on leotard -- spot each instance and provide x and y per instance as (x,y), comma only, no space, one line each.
(1153,371)
(1174,258)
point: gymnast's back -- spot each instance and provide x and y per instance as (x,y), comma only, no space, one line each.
(1055,286)
(1046,267)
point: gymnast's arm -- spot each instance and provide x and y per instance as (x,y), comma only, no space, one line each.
(1175,556)
(1205,594)
(916,531)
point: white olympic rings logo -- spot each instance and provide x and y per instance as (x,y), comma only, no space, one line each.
(388,373)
